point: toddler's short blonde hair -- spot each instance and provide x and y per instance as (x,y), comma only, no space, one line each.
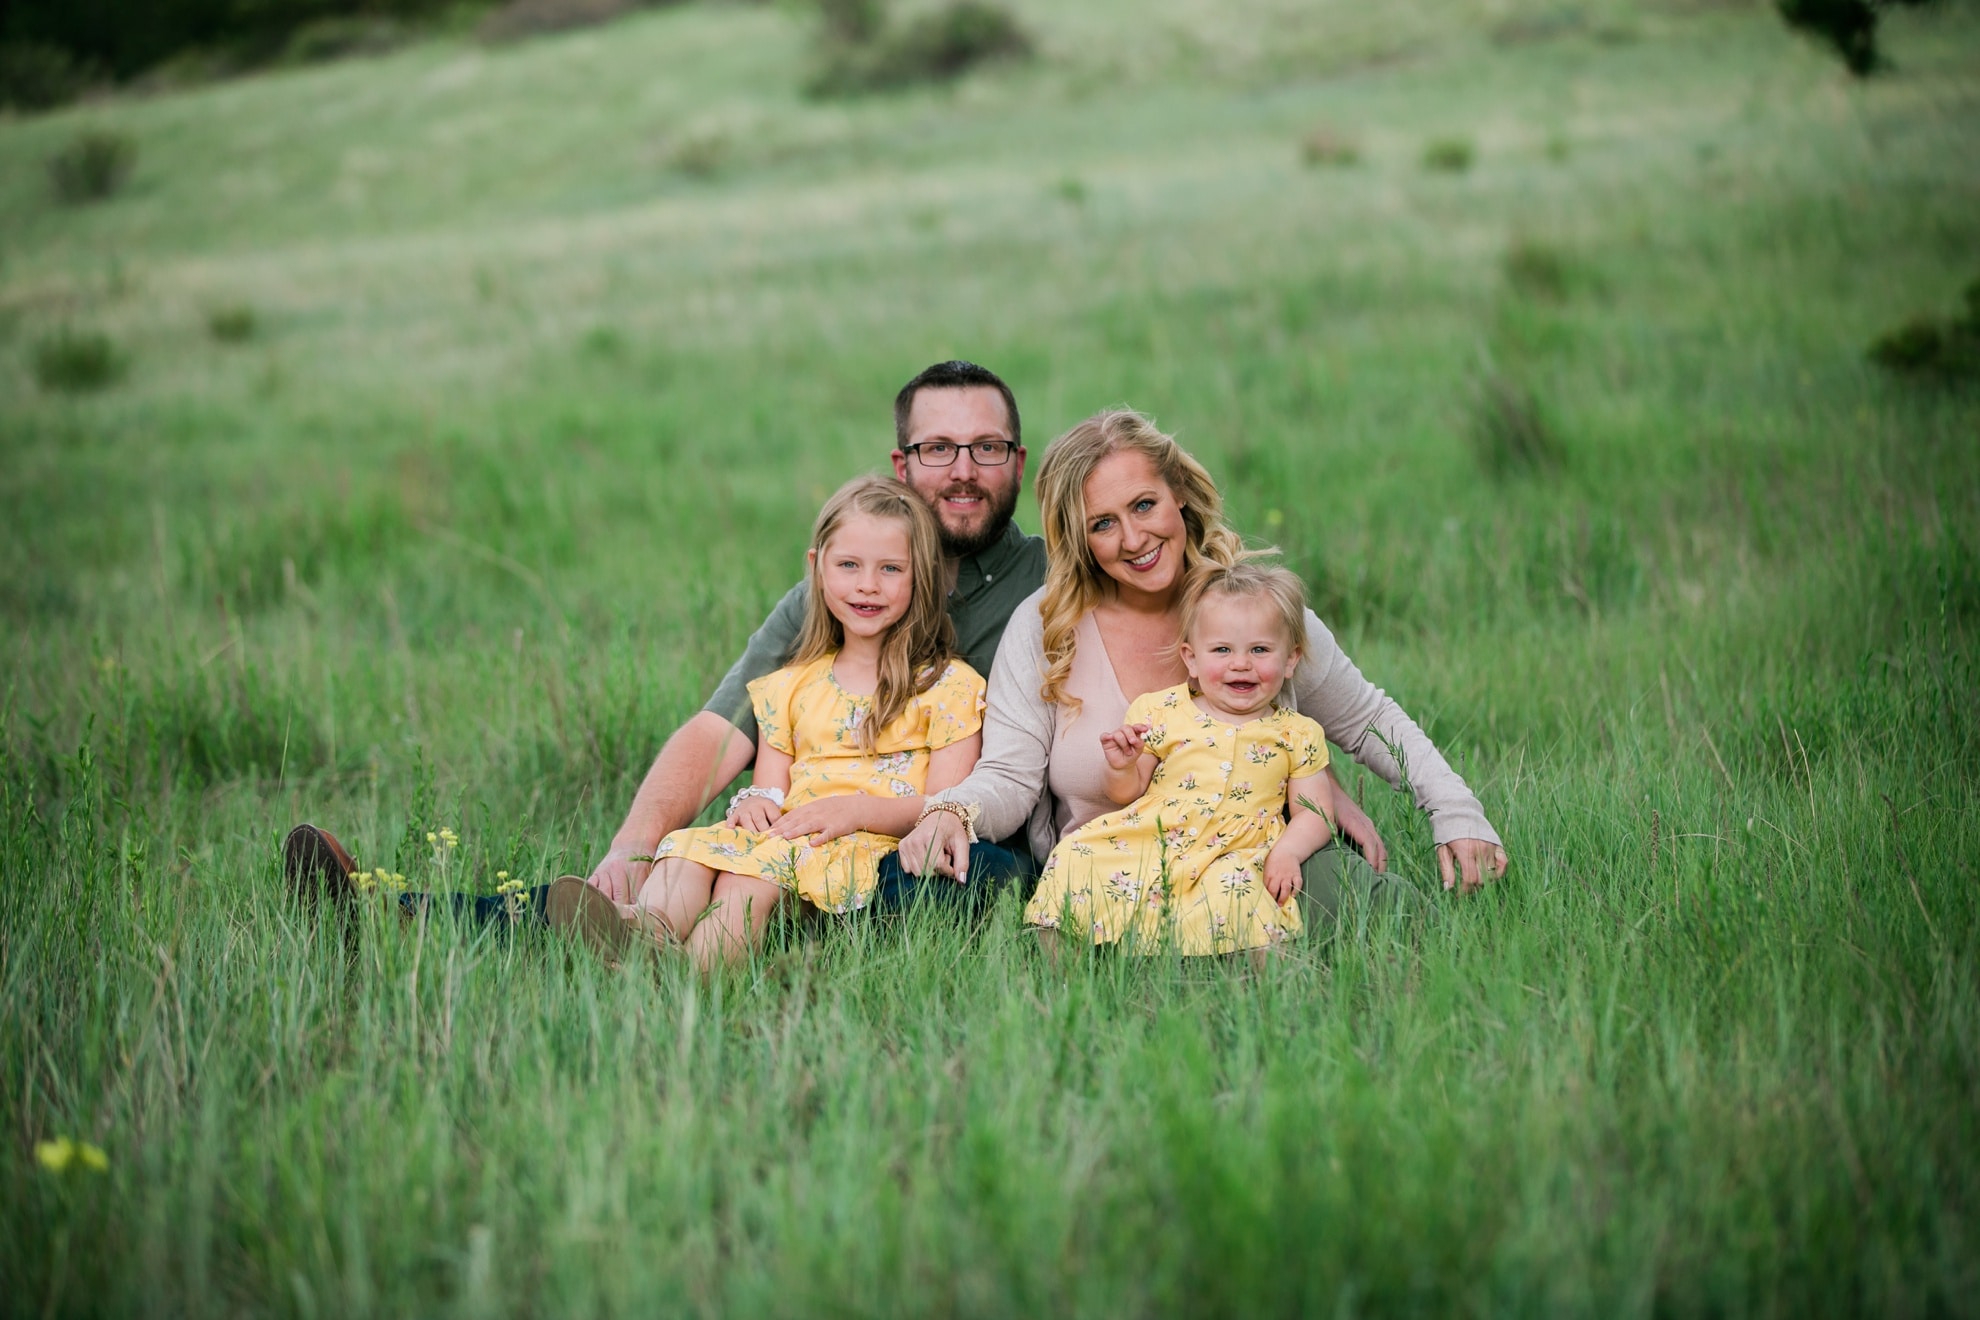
(1244,579)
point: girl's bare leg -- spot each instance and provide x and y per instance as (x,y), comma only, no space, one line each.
(1048,940)
(735,923)
(676,892)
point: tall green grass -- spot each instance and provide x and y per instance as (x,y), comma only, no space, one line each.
(527,436)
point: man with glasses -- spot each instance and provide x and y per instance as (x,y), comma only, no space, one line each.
(958,446)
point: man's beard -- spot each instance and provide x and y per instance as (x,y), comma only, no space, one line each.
(963,546)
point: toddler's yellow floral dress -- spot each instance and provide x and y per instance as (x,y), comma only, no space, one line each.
(802,711)
(1214,807)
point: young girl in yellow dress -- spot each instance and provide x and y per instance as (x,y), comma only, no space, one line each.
(1205,860)
(873,711)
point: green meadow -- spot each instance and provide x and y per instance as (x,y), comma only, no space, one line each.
(457,413)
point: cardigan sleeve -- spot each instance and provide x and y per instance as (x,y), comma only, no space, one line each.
(1008,782)
(1366,723)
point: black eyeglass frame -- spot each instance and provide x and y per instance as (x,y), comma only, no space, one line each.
(981,460)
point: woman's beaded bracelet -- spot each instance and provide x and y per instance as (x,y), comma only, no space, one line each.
(966,812)
(776,795)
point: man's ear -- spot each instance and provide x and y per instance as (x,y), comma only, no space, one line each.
(900,466)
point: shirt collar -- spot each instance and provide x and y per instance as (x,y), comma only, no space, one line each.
(987,564)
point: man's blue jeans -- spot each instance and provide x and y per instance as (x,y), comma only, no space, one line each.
(992,870)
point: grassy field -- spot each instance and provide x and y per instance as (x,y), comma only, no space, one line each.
(552,351)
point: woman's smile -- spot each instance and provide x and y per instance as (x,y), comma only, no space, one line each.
(1134,526)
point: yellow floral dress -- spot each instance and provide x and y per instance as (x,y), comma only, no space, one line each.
(802,711)
(1214,807)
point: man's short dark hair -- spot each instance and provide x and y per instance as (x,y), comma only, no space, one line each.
(954,375)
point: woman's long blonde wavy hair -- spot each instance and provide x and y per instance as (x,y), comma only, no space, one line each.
(917,649)
(1074,580)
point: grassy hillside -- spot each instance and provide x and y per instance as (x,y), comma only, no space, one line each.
(552,351)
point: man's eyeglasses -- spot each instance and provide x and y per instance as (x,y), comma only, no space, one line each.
(942,453)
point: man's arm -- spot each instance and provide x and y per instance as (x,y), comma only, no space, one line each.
(713,747)
(704,754)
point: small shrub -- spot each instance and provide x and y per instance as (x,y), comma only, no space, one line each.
(1448,155)
(1848,26)
(37,76)
(853,22)
(949,42)
(77,362)
(340,38)
(1926,345)
(1325,146)
(936,47)
(1914,346)
(700,154)
(603,342)
(93,167)
(1509,432)
(233,324)
(1537,270)
(519,20)
(1527,29)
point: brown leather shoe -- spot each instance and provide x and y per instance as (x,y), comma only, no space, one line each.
(318,867)
(574,905)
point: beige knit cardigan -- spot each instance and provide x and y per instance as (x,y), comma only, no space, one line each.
(1008,784)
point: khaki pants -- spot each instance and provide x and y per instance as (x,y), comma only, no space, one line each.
(1344,893)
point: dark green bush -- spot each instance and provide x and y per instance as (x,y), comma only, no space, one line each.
(1448,155)
(1509,432)
(125,38)
(1914,346)
(35,75)
(93,167)
(77,362)
(1928,346)
(1849,27)
(935,47)
(1537,270)
(233,324)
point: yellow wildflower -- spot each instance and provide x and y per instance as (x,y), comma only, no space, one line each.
(55,1155)
(59,1155)
(431,837)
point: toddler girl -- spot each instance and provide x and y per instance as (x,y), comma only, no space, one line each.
(1204,860)
(872,712)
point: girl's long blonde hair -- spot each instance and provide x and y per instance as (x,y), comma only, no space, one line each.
(917,649)
(1074,580)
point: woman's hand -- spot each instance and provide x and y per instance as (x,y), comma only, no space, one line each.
(938,844)
(823,819)
(1123,745)
(755,813)
(1470,862)
(1351,822)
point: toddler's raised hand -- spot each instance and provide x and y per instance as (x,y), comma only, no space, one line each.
(1123,745)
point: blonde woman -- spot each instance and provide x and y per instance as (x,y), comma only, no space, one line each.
(1128,516)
